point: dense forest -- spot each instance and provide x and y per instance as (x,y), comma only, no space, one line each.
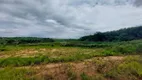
(125,34)
(23,40)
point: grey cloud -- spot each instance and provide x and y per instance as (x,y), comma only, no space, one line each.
(66,18)
(138,2)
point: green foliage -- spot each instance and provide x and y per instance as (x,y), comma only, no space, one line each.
(20,61)
(116,49)
(139,48)
(23,40)
(127,69)
(124,49)
(81,44)
(109,53)
(95,77)
(128,49)
(126,34)
(3,49)
(17,61)
(72,76)
(85,77)
(131,70)
(15,74)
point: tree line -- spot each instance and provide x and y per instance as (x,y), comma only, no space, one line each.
(125,34)
(23,40)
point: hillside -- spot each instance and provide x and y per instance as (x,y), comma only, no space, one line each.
(125,34)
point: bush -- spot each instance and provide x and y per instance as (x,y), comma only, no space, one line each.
(3,49)
(109,53)
(131,71)
(124,49)
(139,49)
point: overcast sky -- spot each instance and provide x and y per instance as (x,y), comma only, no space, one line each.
(67,18)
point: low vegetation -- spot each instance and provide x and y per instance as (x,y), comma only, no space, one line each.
(70,59)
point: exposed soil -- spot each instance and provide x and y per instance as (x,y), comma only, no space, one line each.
(60,70)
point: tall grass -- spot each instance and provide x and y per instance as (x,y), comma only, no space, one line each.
(116,50)
(20,61)
(10,73)
(130,69)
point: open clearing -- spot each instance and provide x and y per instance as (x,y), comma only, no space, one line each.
(96,61)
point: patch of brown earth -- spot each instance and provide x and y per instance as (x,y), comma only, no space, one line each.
(59,71)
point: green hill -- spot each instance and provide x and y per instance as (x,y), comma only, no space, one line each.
(125,34)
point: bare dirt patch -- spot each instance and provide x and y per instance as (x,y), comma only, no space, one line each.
(60,71)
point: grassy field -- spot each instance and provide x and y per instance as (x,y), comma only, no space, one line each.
(72,60)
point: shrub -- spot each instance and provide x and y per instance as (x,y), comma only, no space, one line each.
(139,49)
(131,70)
(109,53)
(3,49)
(124,49)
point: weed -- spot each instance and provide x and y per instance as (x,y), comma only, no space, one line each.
(85,76)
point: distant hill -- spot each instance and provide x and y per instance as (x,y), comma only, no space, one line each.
(125,34)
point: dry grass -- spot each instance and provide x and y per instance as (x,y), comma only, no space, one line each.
(99,68)
(51,52)
(65,71)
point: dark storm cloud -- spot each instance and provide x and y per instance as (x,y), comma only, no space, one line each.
(66,18)
(138,2)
